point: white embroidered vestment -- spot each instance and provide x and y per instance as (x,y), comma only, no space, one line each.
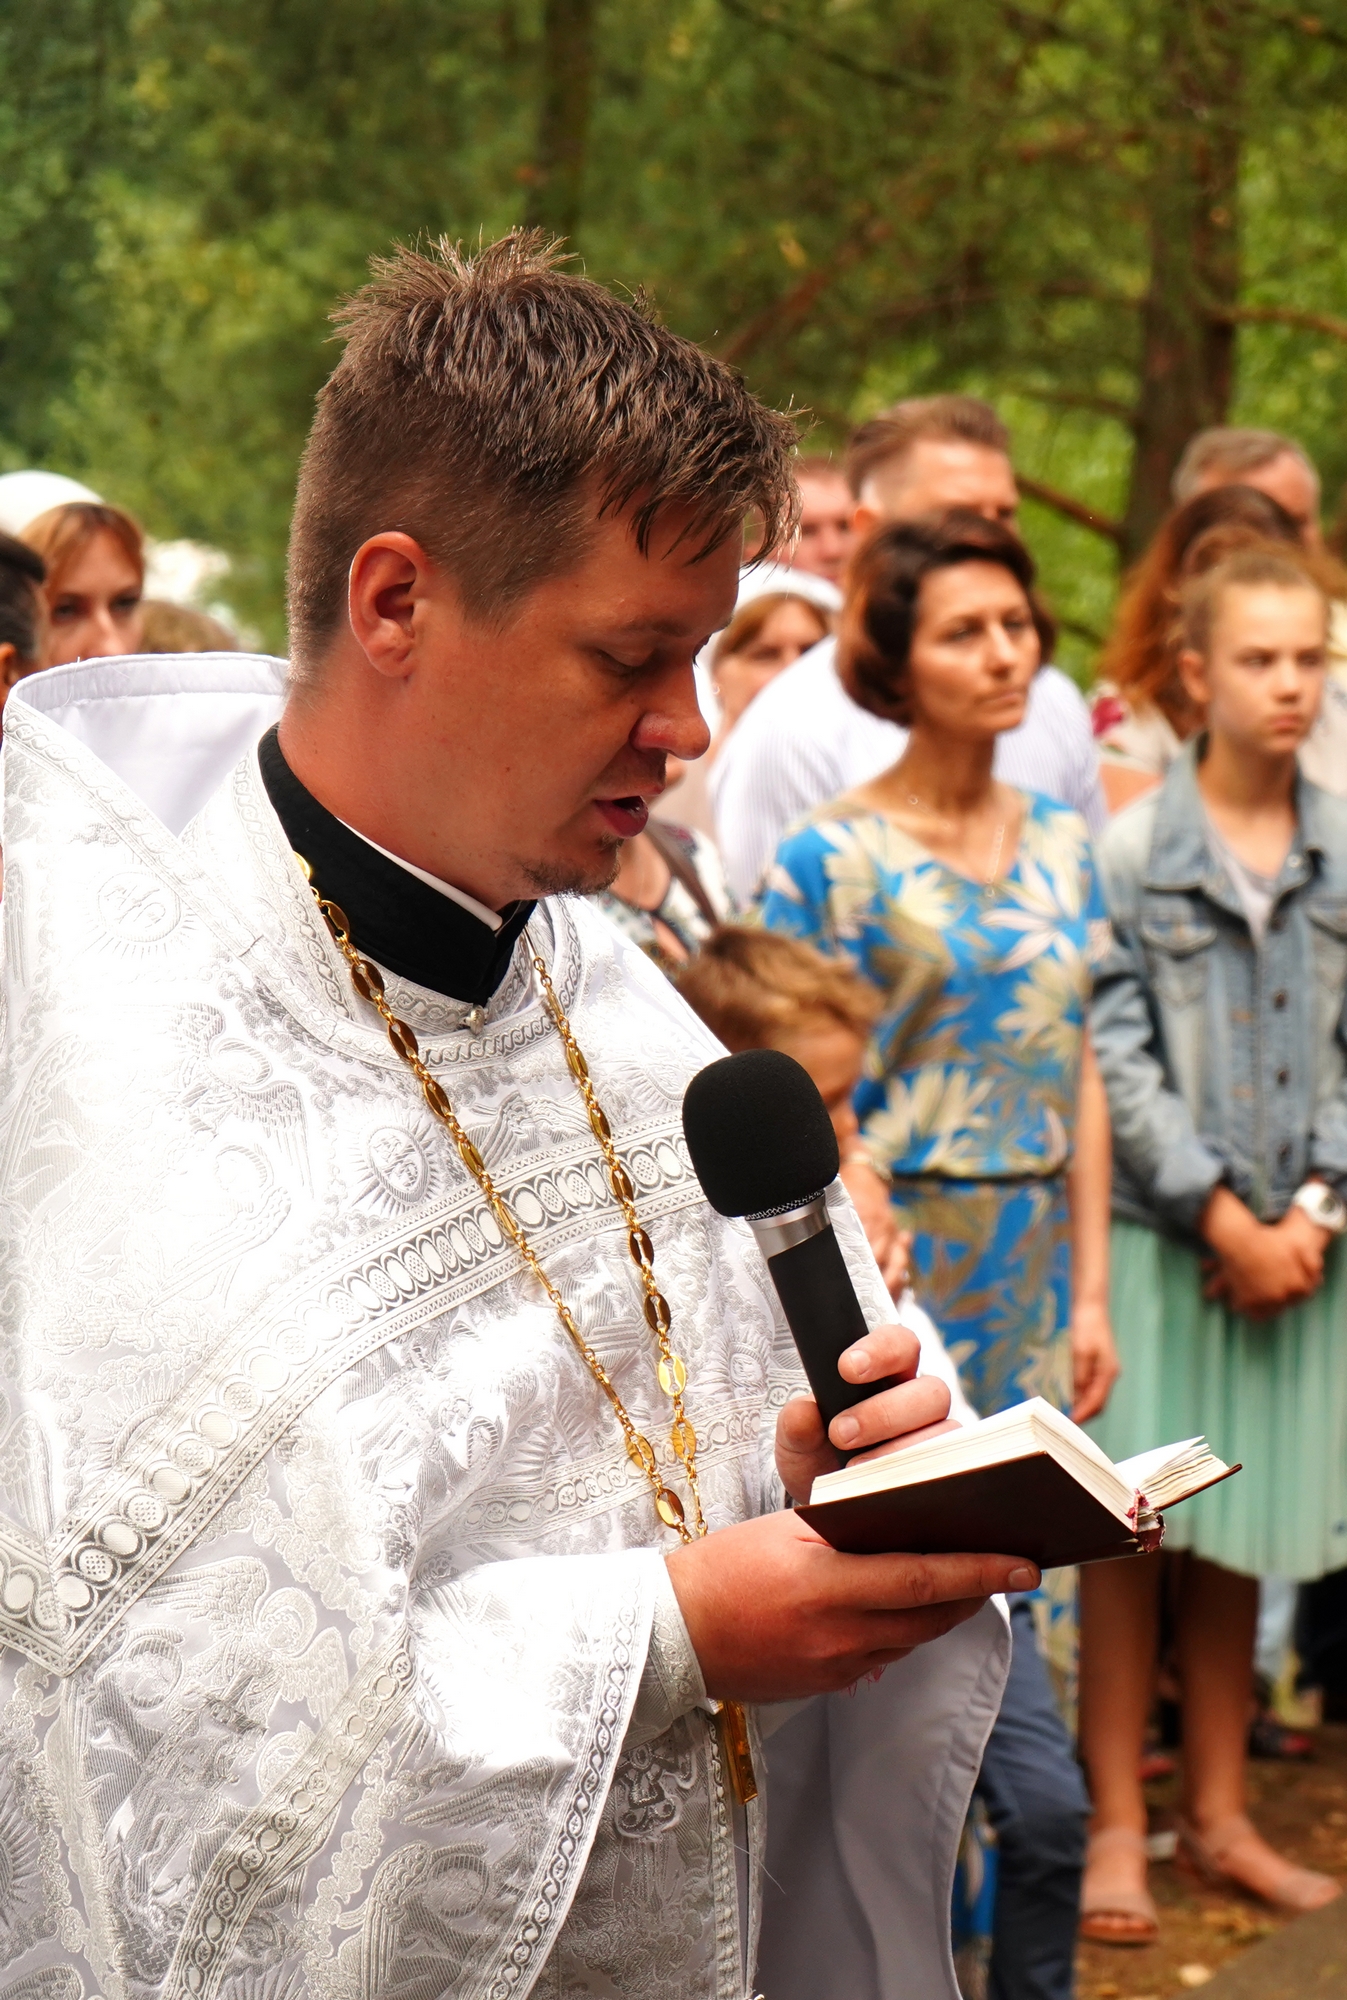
(340,1655)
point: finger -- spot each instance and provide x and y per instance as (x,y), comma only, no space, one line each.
(800,1423)
(904,1630)
(803,1453)
(910,1407)
(905,1442)
(889,1584)
(889,1350)
(895,1269)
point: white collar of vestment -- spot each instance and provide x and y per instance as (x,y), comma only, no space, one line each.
(491,918)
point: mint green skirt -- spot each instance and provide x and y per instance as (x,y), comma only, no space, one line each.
(1269,1394)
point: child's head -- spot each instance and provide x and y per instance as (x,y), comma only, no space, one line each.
(1254,637)
(757,990)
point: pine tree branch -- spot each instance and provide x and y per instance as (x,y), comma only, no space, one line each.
(1071,509)
(795,305)
(1072,399)
(767,20)
(1308,322)
(957,298)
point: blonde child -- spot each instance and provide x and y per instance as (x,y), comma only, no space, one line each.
(757,990)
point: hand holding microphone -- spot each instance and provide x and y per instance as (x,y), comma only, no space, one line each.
(772,1610)
(763,1147)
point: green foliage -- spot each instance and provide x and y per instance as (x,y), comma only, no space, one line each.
(853,199)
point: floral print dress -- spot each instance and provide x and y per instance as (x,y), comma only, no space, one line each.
(969,1096)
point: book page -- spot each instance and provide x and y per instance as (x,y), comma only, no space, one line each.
(1145,1464)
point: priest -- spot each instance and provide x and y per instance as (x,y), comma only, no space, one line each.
(398,1568)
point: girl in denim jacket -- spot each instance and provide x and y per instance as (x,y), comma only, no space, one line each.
(1218,1025)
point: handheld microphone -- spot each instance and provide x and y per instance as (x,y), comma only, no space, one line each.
(763,1148)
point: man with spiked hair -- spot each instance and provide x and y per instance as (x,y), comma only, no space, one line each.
(373,1362)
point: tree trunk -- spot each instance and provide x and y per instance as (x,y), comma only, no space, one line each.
(563,115)
(1187,344)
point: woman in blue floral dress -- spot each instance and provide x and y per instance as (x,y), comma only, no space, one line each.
(974,908)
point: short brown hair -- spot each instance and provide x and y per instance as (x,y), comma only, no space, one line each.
(1232,451)
(750,618)
(1202,595)
(750,986)
(482,400)
(892,434)
(874,644)
(64,532)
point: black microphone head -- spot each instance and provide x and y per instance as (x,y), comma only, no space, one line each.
(759,1133)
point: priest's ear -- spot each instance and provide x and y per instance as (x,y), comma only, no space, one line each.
(391,589)
(13,667)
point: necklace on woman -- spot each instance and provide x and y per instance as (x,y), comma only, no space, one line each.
(989,880)
(369,984)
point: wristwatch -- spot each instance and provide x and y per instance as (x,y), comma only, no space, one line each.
(1322,1206)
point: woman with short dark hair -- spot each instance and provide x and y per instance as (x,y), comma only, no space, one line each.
(972,907)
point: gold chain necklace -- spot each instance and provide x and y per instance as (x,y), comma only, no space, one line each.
(369,984)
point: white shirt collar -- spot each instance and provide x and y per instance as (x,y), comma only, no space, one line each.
(490,918)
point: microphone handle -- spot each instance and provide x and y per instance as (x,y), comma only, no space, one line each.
(824,1315)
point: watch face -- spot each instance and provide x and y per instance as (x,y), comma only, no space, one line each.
(1324,1207)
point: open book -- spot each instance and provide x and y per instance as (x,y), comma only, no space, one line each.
(1027,1482)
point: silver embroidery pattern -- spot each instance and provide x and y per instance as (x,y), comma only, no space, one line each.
(286,1828)
(194,1452)
(281,1411)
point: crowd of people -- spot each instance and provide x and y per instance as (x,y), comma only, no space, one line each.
(1099,1113)
(1070,974)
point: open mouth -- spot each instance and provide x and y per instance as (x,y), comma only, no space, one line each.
(626,817)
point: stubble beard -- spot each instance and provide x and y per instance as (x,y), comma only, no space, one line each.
(556,878)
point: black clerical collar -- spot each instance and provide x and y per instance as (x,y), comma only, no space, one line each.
(396,919)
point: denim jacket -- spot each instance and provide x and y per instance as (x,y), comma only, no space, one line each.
(1225,1060)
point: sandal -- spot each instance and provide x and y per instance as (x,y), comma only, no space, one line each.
(1289,1888)
(1117,1916)
(1270,1738)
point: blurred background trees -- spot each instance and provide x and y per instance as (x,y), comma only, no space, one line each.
(1120,219)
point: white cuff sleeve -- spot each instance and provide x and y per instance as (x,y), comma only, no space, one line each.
(672,1682)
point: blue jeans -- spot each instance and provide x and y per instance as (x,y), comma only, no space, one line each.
(1035,1797)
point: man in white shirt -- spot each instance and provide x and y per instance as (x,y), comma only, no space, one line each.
(827,533)
(804,740)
